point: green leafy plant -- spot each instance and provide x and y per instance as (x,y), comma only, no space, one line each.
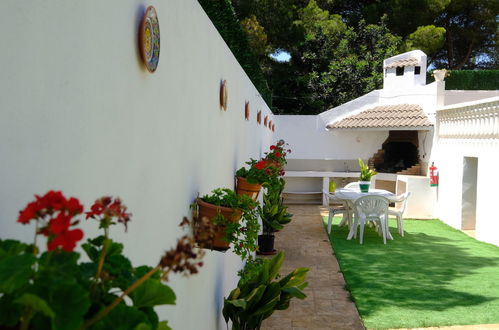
(365,172)
(53,290)
(273,212)
(242,234)
(259,295)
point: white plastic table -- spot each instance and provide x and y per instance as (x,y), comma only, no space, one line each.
(351,195)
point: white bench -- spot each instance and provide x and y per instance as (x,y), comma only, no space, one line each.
(326,176)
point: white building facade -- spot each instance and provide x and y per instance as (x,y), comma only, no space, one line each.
(466,152)
(463,143)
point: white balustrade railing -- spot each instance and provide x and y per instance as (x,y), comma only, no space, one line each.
(470,120)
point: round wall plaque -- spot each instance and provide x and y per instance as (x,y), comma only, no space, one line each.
(259,117)
(149,39)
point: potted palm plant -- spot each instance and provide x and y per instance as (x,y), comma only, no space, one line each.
(365,176)
(273,213)
(217,224)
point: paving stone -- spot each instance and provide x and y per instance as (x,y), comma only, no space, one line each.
(327,306)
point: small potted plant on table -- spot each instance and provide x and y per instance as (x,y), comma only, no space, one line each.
(218,224)
(365,176)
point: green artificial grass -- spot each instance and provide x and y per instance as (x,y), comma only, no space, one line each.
(433,276)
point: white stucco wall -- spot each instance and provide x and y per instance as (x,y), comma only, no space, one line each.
(449,159)
(458,96)
(463,135)
(409,79)
(309,140)
(80,113)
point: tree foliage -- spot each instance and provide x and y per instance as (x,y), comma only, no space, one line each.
(429,38)
(337,47)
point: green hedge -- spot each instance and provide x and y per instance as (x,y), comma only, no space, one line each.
(224,18)
(470,80)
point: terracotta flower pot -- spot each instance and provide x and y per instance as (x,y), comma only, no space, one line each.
(213,237)
(245,188)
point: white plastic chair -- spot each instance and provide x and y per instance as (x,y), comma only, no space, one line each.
(401,204)
(371,208)
(339,207)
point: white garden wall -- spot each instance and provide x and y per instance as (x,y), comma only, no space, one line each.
(80,113)
(309,140)
(468,131)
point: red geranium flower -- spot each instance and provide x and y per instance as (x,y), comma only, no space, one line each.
(48,204)
(66,240)
(60,224)
(277,154)
(55,212)
(29,212)
(52,201)
(260,165)
(73,206)
(272,147)
(109,209)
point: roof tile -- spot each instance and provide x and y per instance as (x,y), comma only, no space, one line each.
(386,116)
(412,61)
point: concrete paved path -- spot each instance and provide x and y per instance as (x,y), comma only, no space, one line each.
(327,306)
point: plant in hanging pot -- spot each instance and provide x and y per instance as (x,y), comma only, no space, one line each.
(365,176)
(218,224)
(259,294)
(249,181)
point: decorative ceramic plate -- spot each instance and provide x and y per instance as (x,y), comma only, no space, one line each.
(270,124)
(149,39)
(247,111)
(259,117)
(265,120)
(224,95)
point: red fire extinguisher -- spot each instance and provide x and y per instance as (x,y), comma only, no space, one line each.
(433,175)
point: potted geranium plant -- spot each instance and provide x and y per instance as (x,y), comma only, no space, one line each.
(365,176)
(53,290)
(218,221)
(261,292)
(249,181)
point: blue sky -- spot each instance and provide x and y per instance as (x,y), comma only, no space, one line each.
(281,56)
